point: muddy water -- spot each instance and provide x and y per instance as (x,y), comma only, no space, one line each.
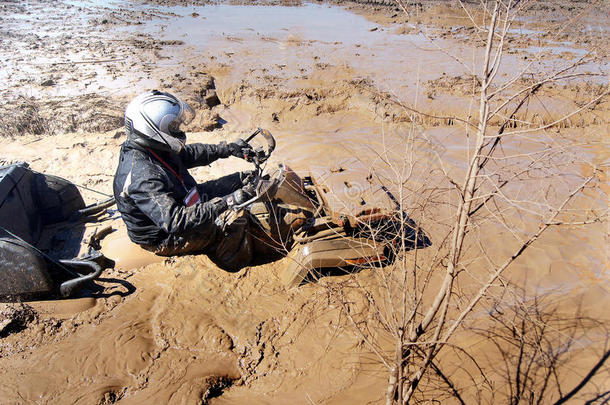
(261,43)
(182,331)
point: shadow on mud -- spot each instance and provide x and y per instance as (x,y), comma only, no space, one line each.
(95,290)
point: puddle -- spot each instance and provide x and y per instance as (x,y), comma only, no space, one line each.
(110,4)
(281,39)
(309,22)
(277,40)
(524,31)
(556,50)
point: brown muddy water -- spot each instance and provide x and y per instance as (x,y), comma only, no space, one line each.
(325,81)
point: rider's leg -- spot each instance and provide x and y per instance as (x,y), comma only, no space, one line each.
(196,242)
(234,249)
(227,242)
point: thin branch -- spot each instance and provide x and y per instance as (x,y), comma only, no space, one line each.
(482,292)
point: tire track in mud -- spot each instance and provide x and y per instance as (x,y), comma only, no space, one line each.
(151,346)
(189,332)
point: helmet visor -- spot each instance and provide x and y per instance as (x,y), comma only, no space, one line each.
(185,116)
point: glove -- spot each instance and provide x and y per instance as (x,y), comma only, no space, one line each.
(240,149)
(240,196)
(247,176)
(220,205)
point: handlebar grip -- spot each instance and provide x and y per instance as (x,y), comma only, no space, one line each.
(248,139)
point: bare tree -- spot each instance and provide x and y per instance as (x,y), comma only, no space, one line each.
(425,302)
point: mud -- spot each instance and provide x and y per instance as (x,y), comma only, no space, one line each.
(336,83)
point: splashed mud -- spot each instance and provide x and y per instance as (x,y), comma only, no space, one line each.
(336,86)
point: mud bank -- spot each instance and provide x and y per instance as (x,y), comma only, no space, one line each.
(337,85)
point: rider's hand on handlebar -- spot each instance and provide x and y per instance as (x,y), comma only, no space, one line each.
(247,176)
(240,196)
(241,149)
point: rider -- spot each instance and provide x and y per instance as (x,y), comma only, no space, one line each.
(163,207)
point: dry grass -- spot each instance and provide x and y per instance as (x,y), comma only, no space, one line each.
(22,116)
(87,113)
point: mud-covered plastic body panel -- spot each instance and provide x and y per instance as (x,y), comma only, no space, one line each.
(18,202)
(23,271)
(29,201)
(329,253)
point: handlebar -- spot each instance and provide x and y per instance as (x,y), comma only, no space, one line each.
(68,287)
(265,189)
(261,155)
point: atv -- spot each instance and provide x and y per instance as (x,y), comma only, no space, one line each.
(321,221)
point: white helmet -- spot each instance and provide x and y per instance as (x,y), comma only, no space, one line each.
(153,120)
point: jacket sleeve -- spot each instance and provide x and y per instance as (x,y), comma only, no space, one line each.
(154,198)
(199,154)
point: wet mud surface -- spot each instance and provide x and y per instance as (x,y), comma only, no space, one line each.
(337,84)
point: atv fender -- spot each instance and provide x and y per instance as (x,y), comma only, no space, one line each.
(329,253)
